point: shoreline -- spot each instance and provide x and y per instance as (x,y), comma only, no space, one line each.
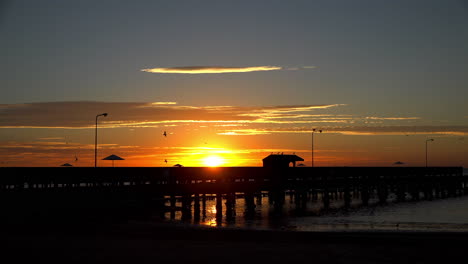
(137,242)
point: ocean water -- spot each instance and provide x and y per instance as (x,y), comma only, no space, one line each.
(450,214)
(444,215)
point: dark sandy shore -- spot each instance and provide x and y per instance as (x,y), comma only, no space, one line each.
(134,242)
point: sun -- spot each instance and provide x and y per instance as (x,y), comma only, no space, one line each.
(213,161)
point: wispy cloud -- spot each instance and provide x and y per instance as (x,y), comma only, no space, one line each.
(403,130)
(164,103)
(392,118)
(247,132)
(301,68)
(226,120)
(52,138)
(211,69)
(358,130)
(128,114)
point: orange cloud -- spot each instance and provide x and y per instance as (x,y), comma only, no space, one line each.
(127,114)
(392,118)
(211,69)
(370,130)
(226,120)
(164,103)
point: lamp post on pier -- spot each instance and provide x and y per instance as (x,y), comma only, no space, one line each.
(95,139)
(427,140)
(313,131)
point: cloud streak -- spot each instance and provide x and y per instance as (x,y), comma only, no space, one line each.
(226,120)
(211,69)
(164,103)
(357,130)
(128,114)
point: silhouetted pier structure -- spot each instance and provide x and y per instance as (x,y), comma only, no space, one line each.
(281,160)
(153,186)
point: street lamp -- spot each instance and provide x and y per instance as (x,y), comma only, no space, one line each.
(95,140)
(313,131)
(427,140)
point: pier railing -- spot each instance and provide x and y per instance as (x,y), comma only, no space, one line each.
(187,183)
(187,179)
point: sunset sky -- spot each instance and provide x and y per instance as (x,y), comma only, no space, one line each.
(233,81)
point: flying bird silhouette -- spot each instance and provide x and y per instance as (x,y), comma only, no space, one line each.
(165,161)
(165,134)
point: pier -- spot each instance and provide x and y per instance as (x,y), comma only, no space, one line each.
(162,187)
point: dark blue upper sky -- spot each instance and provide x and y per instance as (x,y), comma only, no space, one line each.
(387,57)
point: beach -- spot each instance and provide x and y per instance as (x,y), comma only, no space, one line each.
(135,242)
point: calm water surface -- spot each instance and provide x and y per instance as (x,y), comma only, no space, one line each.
(450,214)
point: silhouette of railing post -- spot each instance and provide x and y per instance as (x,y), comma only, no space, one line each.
(383,182)
(346,190)
(325,192)
(445,185)
(364,189)
(296,198)
(414,186)
(171,182)
(196,208)
(259,198)
(172,204)
(276,193)
(230,206)
(204,205)
(460,183)
(401,190)
(427,188)
(186,207)
(219,207)
(300,187)
(271,198)
(249,204)
(451,185)
(437,189)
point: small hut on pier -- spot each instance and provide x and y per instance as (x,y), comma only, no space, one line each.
(281,160)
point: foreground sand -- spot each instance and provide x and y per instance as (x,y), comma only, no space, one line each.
(168,243)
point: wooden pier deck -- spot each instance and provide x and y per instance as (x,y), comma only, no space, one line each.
(25,185)
(202,179)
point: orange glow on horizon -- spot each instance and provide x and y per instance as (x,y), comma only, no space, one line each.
(200,146)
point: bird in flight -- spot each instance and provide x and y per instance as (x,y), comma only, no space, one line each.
(165,161)
(165,134)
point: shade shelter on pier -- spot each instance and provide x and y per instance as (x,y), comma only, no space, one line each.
(281,160)
(113,158)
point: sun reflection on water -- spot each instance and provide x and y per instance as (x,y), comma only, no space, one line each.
(211,220)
